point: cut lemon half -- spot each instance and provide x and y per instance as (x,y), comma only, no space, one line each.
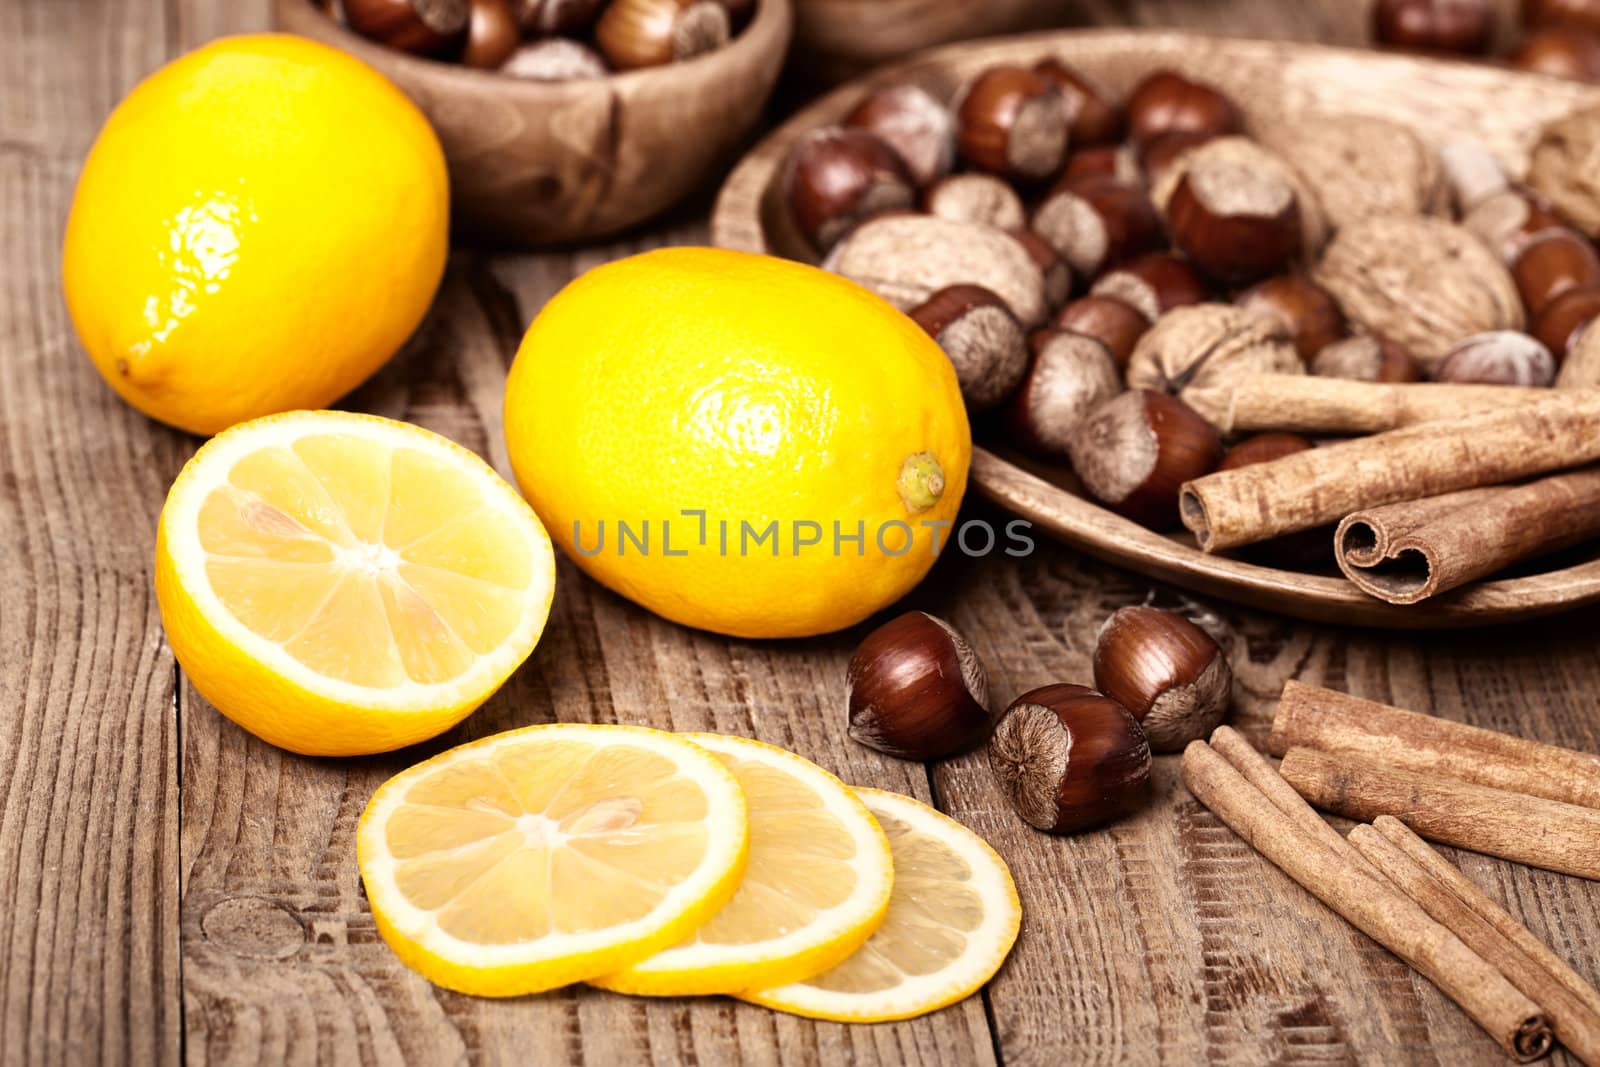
(953,917)
(340,584)
(550,854)
(816,887)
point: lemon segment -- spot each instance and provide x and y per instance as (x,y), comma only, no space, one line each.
(549,855)
(341,584)
(953,917)
(816,887)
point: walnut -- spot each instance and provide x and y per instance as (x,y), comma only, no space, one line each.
(1565,168)
(1248,153)
(1421,281)
(1199,351)
(1361,167)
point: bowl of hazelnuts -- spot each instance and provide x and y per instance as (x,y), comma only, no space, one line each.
(564,120)
(1204,296)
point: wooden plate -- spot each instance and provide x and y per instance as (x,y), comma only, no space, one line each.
(1270,80)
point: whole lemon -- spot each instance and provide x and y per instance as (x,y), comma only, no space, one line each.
(739,443)
(259,226)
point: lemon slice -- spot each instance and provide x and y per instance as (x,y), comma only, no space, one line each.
(816,887)
(953,917)
(340,584)
(550,854)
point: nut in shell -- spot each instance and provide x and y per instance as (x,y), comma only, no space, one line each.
(910,120)
(1366,358)
(917,690)
(1093,222)
(1241,155)
(1360,167)
(1421,281)
(1135,451)
(1069,377)
(1501,357)
(984,341)
(1166,671)
(1153,284)
(974,197)
(1564,168)
(1199,352)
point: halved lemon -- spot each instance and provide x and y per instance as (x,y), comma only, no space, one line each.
(550,854)
(816,887)
(953,917)
(340,584)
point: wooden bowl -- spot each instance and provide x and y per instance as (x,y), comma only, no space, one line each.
(837,39)
(538,163)
(1269,80)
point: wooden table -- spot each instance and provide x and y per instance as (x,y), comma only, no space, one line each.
(175,889)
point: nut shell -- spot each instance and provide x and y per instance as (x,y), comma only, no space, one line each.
(1502,357)
(1558,324)
(1235,222)
(1092,119)
(1108,320)
(1366,358)
(1560,52)
(910,120)
(1243,155)
(421,27)
(1507,221)
(1153,284)
(834,178)
(1564,168)
(1097,222)
(1580,13)
(554,59)
(651,33)
(1552,264)
(1166,102)
(492,35)
(1198,352)
(1011,121)
(1359,167)
(917,690)
(1454,27)
(1134,452)
(1070,375)
(1581,370)
(984,341)
(1166,671)
(1304,307)
(1420,281)
(975,197)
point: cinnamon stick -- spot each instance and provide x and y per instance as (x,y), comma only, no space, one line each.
(1416,549)
(1378,910)
(1574,1024)
(1312,717)
(1557,431)
(1532,830)
(1310,404)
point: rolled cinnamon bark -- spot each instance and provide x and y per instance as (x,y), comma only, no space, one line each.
(1557,431)
(1377,909)
(1312,717)
(1307,403)
(1416,549)
(1576,1025)
(1532,830)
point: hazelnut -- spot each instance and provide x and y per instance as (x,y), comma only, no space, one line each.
(916,690)
(1507,220)
(1472,173)
(1309,313)
(1367,358)
(1153,284)
(651,33)
(492,35)
(1421,281)
(1461,27)
(1096,222)
(1165,102)
(912,122)
(975,197)
(555,59)
(1558,324)
(1136,450)
(1584,14)
(1103,161)
(1198,352)
(422,27)
(1057,275)
(1010,121)
(544,17)
(1069,376)
(1235,222)
(1166,671)
(1092,119)
(1500,357)
(1554,263)
(1564,167)
(1560,52)
(1158,155)
(1108,320)
(906,258)
(1069,758)
(1262,448)
(1226,156)
(983,339)
(1359,167)
(835,178)
(1581,370)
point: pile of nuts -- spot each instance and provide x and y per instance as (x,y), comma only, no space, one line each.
(547,40)
(1067,756)
(1560,38)
(1091,266)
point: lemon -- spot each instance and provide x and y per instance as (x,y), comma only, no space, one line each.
(550,854)
(259,226)
(953,917)
(783,448)
(339,583)
(816,887)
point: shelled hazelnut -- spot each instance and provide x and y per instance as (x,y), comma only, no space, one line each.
(1165,102)
(1557,326)
(1198,352)
(1011,122)
(1103,161)
(1500,357)
(1366,358)
(912,122)
(1153,284)
(1552,264)
(1069,758)
(1459,27)
(1507,220)
(983,339)
(836,178)
(554,59)
(650,33)
(1057,275)
(1097,222)
(916,690)
(1560,52)
(1584,14)
(1168,673)
(1312,317)
(1136,450)
(975,197)
(1237,223)
(1092,118)
(422,27)
(492,35)
(1069,376)
(1108,320)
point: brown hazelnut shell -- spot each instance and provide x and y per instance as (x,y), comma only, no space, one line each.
(1010,121)
(1134,452)
(836,178)
(1553,263)
(1098,222)
(910,120)
(1092,118)
(1166,671)
(1453,27)
(633,34)
(983,339)
(1235,223)
(1108,320)
(492,35)
(916,690)
(1165,102)
(1311,315)
(1498,357)
(1558,324)
(421,27)
(1153,284)
(1068,376)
